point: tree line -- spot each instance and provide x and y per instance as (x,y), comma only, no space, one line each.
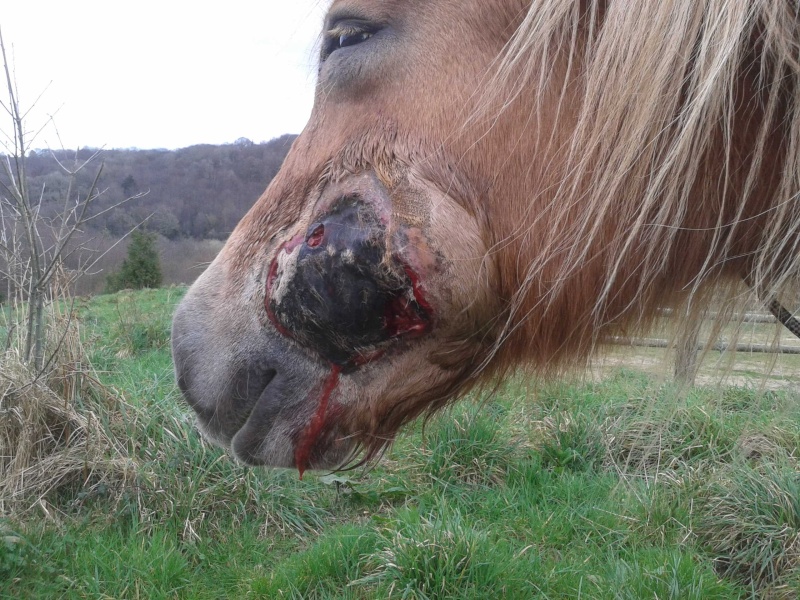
(197,192)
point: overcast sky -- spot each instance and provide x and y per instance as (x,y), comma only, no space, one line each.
(163,73)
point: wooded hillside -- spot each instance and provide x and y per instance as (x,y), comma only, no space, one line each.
(191,198)
(199,192)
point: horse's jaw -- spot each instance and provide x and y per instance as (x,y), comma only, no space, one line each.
(348,328)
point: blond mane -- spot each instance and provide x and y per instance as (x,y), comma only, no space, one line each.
(682,101)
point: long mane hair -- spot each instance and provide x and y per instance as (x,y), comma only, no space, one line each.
(683,170)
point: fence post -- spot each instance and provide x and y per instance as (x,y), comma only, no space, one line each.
(686,353)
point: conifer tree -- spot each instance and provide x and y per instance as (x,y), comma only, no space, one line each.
(141,268)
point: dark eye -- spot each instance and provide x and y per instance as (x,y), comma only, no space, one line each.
(343,36)
(351,39)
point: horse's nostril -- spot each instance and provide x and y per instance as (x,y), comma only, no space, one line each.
(316,236)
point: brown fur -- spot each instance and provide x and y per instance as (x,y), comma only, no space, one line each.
(588,163)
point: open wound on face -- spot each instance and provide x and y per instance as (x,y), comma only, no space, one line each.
(340,293)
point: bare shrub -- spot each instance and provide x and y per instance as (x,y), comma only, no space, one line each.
(54,427)
(56,419)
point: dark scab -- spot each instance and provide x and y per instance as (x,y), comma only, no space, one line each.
(342,294)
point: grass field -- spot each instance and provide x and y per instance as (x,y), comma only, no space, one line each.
(615,487)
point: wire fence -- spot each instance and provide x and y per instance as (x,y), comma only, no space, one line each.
(688,349)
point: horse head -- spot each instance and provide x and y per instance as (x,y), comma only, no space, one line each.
(467,197)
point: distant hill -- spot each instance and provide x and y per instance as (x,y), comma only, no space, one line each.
(199,192)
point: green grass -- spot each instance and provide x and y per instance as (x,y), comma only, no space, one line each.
(625,488)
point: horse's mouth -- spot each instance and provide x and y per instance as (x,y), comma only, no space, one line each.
(219,423)
(286,425)
(348,292)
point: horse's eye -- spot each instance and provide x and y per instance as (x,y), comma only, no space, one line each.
(345,35)
(351,39)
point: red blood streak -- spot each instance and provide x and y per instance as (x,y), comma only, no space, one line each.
(315,239)
(402,318)
(308,439)
(416,284)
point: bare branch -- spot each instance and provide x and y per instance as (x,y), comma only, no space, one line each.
(81,166)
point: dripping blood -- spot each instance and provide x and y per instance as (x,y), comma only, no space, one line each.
(309,437)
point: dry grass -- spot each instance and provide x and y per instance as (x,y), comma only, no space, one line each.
(56,429)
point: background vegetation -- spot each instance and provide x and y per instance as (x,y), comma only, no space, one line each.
(623,487)
(199,192)
(141,268)
(190,199)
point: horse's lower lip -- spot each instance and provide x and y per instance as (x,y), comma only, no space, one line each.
(279,397)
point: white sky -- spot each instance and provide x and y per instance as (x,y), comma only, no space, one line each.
(163,73)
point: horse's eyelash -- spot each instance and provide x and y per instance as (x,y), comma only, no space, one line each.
(341,30)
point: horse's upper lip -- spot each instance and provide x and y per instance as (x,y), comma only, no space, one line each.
(261,418)
(221,424)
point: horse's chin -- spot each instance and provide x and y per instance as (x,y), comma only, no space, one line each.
(275,451)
